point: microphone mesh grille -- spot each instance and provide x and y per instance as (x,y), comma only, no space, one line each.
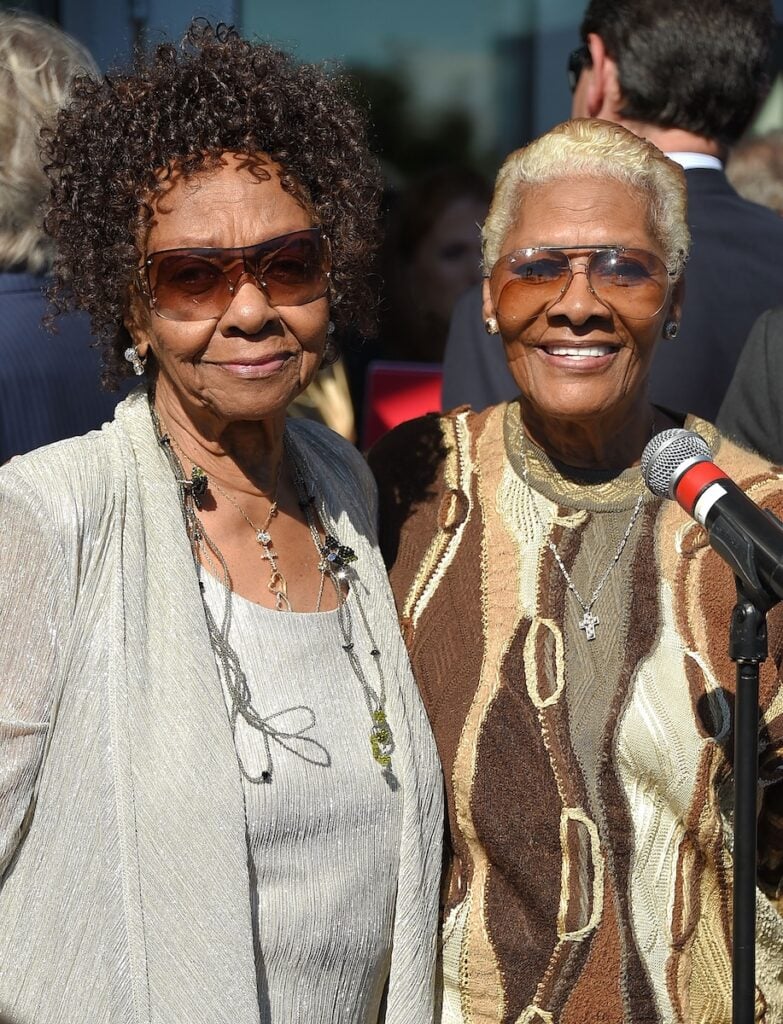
(666,452)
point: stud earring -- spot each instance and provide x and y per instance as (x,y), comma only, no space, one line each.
(491,325)
(133,357)
(671,329)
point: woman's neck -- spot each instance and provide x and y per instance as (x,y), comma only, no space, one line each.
(614,443)
(242,456)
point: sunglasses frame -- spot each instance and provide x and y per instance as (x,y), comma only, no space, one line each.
(578,60)
(590,251)
(244,253)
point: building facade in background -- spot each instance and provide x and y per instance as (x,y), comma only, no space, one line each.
(447,81)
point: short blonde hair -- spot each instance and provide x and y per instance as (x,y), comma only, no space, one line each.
(589,148)
(38,64)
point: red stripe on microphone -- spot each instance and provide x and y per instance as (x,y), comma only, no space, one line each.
(693,481)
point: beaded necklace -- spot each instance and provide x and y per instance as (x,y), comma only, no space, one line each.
(335,563)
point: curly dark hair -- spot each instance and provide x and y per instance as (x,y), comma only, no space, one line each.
(180,109)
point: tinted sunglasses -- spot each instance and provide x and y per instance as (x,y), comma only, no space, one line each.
(578,60)
(200,284)
(633,282)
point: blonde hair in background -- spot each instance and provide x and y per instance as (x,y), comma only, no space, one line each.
(589,148)
(38,63)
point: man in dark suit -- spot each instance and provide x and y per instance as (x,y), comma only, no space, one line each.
(687,76)
(752,411)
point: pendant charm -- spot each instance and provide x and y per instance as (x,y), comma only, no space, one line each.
(199,482)
(336,556)
(588,623)
(381,739)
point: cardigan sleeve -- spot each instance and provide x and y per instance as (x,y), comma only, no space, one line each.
(34,622)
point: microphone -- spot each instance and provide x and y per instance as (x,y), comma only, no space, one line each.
(678,464)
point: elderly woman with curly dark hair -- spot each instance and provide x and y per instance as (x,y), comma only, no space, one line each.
(219,797)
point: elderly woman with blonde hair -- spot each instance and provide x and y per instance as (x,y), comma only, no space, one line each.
(567,628)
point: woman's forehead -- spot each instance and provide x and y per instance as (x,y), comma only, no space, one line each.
(235,203)
(581,211)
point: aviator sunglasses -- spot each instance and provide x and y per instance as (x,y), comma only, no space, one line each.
(199,284)
(633,282)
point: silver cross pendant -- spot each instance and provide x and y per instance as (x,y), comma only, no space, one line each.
(588,624)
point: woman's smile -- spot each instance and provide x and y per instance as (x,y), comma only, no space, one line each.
(252,368)
(579,358)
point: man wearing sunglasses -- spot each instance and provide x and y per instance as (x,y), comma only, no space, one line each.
(688,77)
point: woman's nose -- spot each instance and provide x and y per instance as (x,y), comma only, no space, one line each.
(250,308)
(578,301)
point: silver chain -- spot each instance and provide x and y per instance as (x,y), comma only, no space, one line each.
(588,621)
(381,738)
(204,548)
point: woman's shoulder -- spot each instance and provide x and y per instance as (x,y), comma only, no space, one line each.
(338,466)
(742,464)
(418,449)
(71,474)
(760,479)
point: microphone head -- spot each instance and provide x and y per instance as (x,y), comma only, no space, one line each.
(668,455)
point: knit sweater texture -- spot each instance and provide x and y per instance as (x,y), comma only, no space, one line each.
(589,782)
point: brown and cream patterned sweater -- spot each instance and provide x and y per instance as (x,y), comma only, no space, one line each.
(588,782)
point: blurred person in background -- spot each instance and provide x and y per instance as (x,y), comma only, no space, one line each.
(752,410)
(568,628)
(220,798)
(688,77)
(431,256)
(755,169)
(48,382)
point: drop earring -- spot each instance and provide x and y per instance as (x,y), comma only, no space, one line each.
(133,357)
(331,351)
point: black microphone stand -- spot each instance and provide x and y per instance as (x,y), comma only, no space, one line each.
(748,649)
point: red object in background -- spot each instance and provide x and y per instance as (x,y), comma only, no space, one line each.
(396,392)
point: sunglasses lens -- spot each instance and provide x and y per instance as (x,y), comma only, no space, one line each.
(198,284)
(633,282)
(188,287)
(523,283)
(297,273)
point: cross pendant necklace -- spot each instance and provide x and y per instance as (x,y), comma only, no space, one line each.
(588,622)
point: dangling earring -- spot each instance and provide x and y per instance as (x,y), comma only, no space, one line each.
(133,357)
(491,325)
(671,329)
(331,352)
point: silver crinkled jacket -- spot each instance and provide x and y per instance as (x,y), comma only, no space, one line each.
(123,858)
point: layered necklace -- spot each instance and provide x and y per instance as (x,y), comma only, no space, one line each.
(335,564)
(589,620)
